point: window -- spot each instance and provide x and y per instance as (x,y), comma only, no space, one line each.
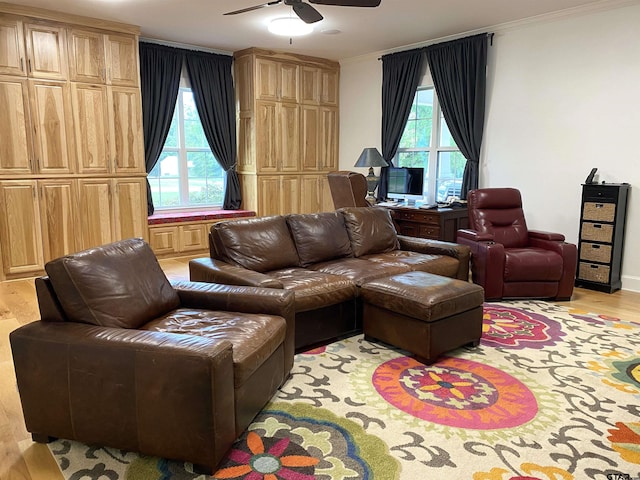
(187,174)
(428,144)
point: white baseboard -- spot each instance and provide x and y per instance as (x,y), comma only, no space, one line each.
(631,283)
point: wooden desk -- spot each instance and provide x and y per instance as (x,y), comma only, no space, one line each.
(437,224)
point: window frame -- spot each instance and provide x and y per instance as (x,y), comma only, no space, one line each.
(431,181)
(182,152)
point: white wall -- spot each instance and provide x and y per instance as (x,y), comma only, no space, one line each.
(563,96)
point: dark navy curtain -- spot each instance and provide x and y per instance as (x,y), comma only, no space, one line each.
(458,69)
(159,83)
(400,77)
(212,85)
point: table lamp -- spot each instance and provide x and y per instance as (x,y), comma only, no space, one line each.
(370,157)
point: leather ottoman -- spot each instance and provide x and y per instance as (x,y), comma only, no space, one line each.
(422,313)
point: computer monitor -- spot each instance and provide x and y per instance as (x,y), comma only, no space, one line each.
(405,183)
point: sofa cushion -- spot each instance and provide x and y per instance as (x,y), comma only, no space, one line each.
(116,285)
(358,270)
(319,237)
(435,264)
(260,244)
(370,230)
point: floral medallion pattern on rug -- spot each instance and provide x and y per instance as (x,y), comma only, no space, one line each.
(551,393)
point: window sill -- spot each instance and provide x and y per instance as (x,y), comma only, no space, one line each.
(179,217)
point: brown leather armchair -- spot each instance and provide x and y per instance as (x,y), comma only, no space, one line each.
(508,259)
(123,358)
(348,189)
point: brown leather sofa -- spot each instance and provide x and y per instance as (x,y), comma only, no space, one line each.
(324,258)
(508,259)
(124,359)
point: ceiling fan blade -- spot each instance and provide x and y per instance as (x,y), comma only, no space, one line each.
(306,12)
(255,7)
(348,3)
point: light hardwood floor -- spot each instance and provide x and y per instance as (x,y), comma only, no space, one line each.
(20,458)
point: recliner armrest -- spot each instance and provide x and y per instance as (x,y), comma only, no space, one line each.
(546,235)
(475,235)
(211,270)
(128,389)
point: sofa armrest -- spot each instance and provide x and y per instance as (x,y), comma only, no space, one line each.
(157,393)
(211,270)
(538,234)
(245,299)
(437,247)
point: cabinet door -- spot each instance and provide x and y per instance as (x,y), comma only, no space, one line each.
(328,144)
(266,140)
(57,209)
(12,51)
(269,195)
(266,79)
(288,82)
(193,237)
(47,51)
(309,128)
(309,85)
(86,54)
(121,53)
(15,138)
(329,87)
(326,199)
(164,240)
(95,212)
(289,136)
(91,127)
(289,194)
(310,199)
(20,227)
(130,208)
(52,124)
(125,125)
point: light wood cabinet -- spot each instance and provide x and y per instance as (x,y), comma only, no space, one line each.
(287,126)
(20,227)
(317,195)
(72,172)
(16,153)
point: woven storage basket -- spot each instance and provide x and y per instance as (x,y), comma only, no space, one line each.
(593,273)
(597,232)
(595,252)
(600,212)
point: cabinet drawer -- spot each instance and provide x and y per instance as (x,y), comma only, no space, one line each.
(596,231)
(429,231)
(595,252)
(593,273)
(418,216)
(598,211)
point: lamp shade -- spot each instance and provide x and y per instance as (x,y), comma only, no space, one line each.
(370,157)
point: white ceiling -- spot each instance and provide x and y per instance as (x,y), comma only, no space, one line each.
(395,23)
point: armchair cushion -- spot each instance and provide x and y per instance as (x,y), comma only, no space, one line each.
(307,229)
(370,230)
(130,291)
(260,244)
(531,265)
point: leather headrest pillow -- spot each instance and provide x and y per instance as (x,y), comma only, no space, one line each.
(370,230)
(319,237)
(260,244)
(116,285)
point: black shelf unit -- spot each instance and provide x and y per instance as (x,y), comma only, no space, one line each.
(601,241)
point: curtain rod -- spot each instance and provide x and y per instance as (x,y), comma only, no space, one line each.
(490,35)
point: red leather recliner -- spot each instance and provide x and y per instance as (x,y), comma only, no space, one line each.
(509,260)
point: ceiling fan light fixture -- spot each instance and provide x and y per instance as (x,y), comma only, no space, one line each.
(289,27)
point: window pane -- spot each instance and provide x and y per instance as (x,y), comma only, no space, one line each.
(446,140)
(172,137)
(413,159)
(164,181)
(450,170)
(193,134)
(206,179)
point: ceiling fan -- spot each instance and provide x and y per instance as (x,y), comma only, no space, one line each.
(306,12)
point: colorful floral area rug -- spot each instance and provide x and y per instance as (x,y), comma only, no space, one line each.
(551,393)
